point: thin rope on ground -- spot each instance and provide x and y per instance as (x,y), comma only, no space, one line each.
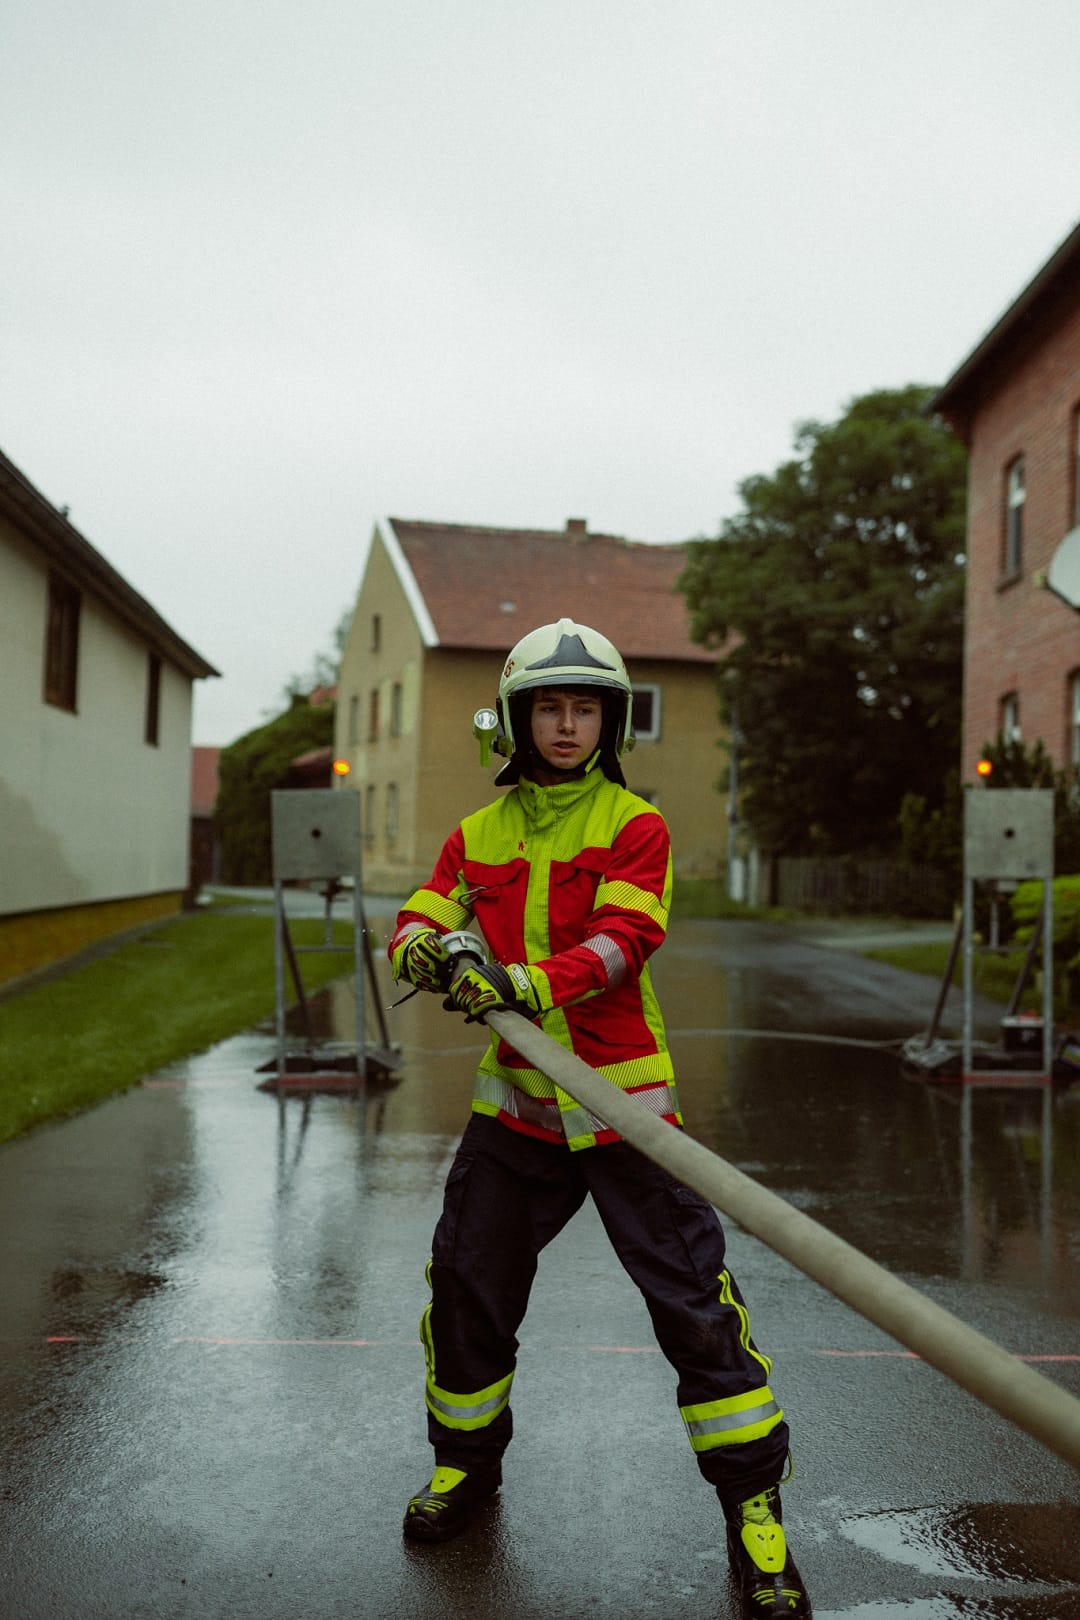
(794,1035)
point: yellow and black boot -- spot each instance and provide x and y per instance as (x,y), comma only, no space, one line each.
(446,1505)
(765,1573)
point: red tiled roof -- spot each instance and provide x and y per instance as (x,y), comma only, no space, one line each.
(485,588)
(204,780)
(312,768)
(312,757)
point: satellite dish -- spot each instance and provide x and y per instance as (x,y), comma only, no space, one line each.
(1063,575)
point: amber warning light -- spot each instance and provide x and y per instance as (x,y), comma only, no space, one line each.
(341,767)
(984,768)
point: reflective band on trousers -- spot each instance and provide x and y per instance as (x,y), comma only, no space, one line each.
(730,1422)
(469,1411)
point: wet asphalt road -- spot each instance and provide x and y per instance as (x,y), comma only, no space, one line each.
(212,1383)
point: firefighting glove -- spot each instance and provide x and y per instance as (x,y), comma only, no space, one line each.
(494,988)
(423,960)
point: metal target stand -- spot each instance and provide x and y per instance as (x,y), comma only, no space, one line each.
(1008,838)
(316,839)
(1009,835)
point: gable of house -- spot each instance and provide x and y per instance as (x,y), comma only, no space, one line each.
(440,606)
(95,711)
(1015,402)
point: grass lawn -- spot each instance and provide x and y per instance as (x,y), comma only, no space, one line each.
(704,897)
(993,975)
(176,989)
(179,988)
(169,992)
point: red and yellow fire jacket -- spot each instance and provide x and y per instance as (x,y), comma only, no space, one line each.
(575,879)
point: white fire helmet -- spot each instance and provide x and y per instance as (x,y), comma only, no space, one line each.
(566,654)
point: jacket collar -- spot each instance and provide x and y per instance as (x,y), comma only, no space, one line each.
(540,803)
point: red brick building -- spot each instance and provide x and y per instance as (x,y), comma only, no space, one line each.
(205,848)
(1015,402)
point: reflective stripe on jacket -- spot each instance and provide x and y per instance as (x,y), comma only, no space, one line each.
(575,879)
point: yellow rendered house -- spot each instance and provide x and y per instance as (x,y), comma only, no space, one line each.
(439,606)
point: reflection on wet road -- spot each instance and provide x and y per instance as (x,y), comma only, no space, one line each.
(931,1179)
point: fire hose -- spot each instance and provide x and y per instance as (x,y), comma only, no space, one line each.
(1016,1391)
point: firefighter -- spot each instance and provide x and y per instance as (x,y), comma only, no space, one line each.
(568,876)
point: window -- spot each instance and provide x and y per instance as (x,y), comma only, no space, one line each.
(376,631)
(369,814)
(395,709)
(153,699)
(1074,721)
(354,718)
(391,812)
(646,713)
(62,643)
(1010,717)
(373,714)
(1014,516)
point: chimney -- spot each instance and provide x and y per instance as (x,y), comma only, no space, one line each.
(577,528)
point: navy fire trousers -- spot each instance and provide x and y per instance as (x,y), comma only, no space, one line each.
(507,1195)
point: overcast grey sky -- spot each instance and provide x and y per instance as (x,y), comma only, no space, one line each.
(272,268)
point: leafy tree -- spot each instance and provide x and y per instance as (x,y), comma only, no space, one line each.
(935,837)
(248,771)
(323,670)
(837,596)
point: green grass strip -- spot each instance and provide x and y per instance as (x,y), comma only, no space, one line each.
(705,897)
(993,975)
(174,990)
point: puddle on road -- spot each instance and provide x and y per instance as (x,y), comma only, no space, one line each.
(1028,1546)
(85,1296)
(1034,1606)
(931,1179)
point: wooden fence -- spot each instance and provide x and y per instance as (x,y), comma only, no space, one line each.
(856,887)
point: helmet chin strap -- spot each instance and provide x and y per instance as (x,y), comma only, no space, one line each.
(526,759)
(570,773)
(518,766)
